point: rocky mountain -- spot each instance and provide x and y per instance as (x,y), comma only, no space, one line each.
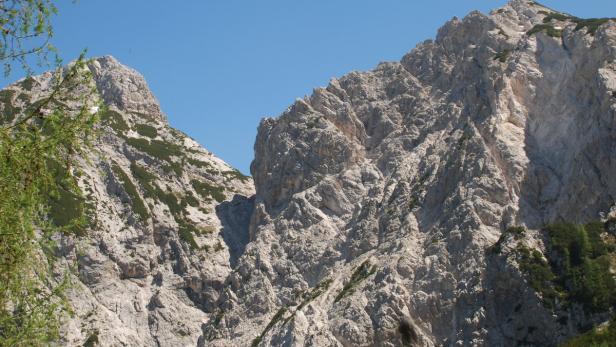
(460,197)
(414,204)
(159,245)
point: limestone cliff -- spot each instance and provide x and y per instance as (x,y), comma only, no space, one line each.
(380,198)
(405,206)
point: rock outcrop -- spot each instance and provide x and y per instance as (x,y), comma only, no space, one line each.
(380,196)
(393,207)
(157,251)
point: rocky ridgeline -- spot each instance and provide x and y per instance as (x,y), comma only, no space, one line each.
(412,205)
(158,247)
(397,206)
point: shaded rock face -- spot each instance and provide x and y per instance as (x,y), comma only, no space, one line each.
(150,267)
(378,196)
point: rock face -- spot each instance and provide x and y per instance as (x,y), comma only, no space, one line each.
(378,201)
(379,196)
(159,245)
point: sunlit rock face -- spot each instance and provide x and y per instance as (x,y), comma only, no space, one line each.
(380,205)
(167,220)
(379,197)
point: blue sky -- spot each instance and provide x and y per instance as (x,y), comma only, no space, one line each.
(219,66)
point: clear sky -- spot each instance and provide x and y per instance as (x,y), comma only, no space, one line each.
(219,66)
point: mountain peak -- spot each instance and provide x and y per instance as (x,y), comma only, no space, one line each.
(124,87)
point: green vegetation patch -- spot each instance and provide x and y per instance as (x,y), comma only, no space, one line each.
(555,15)
(549,29)
(175,167)
(235,174)
(130,189)
(604,336)
(269,326)
(308,296)
(146,130)
(315,292)
(66,204)
(28,83)
(176,205)
(578,267)
(199,163)
(364,271)
(92,340)
(114,120)
(156,148)
(9,111)
(539,275)
(591,24)
(503,56)
(208,191)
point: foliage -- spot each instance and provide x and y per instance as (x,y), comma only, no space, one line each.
(92,340)
(364,271)
(502,56)
(540,275)
(578,267)
(236,175)
(186,229)
(308,295)
(315,292)
(66,205)
(146,130)
(604,336)
(580,259)
(130,189)
(156,148)
(26,33)
(37,150)
(277,316)
(207,190)
(7,98)
(555,15)
(549,29)
(114,120)
(591,24)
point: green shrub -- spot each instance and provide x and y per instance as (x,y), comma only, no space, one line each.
(146,130)
(130,189)
(186,232)
(597,337)
(198,163)
(362,272)
(235,174)
(591,24)
(503,56)
(547,28)
(209,191)
(9,111)
(175,167)
(92,340)
(579,267)
(170,200)
(156,148)
(269,326)
(66,205)
(539,275)
(555,15)
(315,292)
(114,120)
(28,83)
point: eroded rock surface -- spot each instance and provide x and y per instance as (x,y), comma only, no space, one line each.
(379,196)
(151,264)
